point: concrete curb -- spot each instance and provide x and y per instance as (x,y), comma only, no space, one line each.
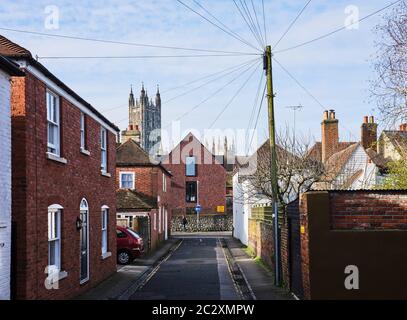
(237,274)
(147,274)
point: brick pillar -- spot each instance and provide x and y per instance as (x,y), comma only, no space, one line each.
(329,134)
(369,133)
(304,246)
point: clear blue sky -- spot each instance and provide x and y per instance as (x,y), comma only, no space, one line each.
(335,70)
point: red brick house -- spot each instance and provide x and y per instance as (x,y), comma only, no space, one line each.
(144,198)
(197,178)
(63,185)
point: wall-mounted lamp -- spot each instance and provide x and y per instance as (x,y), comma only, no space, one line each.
(79,223)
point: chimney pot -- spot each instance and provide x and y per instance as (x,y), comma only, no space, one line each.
(371,119)
(332,114)
(326,115)
(403,127)
(365,119)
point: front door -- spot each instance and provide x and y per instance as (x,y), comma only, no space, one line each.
(84,257)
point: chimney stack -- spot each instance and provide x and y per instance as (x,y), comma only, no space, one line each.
(369,133)
(330,134)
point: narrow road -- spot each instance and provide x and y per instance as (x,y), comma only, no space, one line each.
(197,270)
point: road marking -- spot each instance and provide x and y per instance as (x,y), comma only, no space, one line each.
(237,288)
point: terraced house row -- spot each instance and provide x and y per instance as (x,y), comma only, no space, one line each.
(63,205)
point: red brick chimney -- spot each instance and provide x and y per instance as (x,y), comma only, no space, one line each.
(368,137)
(403,127)
(330,134)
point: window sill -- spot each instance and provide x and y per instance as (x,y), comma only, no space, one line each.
(106,255)
(56,158)
(85,152)
(105,174)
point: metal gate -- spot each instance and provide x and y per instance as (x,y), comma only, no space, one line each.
(294,247)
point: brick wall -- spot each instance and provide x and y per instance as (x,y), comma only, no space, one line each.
(5,189)
(39,182)
(261,240)
(211,177)
(367,210)
(366,229)
(149,181)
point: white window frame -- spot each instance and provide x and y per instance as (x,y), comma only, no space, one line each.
(54,236)
(53,148)
(121,179)
(105,223)
(83,131)
(159,219)
(164,183)
(155,221)
(189,164)
(103,148)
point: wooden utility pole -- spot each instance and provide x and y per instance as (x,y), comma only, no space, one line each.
(274,178)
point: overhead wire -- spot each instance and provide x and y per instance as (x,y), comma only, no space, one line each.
(233,97)
(212,23)
(292,24)
(337,30)
(55,35)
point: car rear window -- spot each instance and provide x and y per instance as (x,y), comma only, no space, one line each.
(133,233)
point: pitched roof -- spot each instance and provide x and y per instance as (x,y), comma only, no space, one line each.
(193,139)
(377,158)
(14,51)
(128,200)
(131,154)
(315,152)
(398,139)
(337,161)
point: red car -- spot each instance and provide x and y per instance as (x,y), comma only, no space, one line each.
(129,245)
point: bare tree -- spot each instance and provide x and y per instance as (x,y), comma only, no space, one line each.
(390,87)
(297,172)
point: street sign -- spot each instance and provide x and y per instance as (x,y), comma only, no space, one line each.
(198,208)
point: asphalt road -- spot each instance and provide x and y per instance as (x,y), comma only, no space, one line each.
(197,270)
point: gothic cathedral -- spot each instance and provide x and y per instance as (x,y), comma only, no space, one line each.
(144,121)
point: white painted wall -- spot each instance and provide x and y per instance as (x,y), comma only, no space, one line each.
(243,200)
(360,161)
(240,213)
(5,186)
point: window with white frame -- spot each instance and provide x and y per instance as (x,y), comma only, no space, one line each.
(53,123)
(155,221)
(83,132)
(159,219)
(164,183)
(127,180)
(54,237)
(105,215)
(103,146)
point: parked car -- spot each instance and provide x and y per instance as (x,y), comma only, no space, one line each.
(129,245)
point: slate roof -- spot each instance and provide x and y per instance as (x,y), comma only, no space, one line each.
(12,50)
(128,200)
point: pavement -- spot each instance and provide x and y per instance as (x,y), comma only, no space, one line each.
(191,266)
(259,279)
(119,284)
